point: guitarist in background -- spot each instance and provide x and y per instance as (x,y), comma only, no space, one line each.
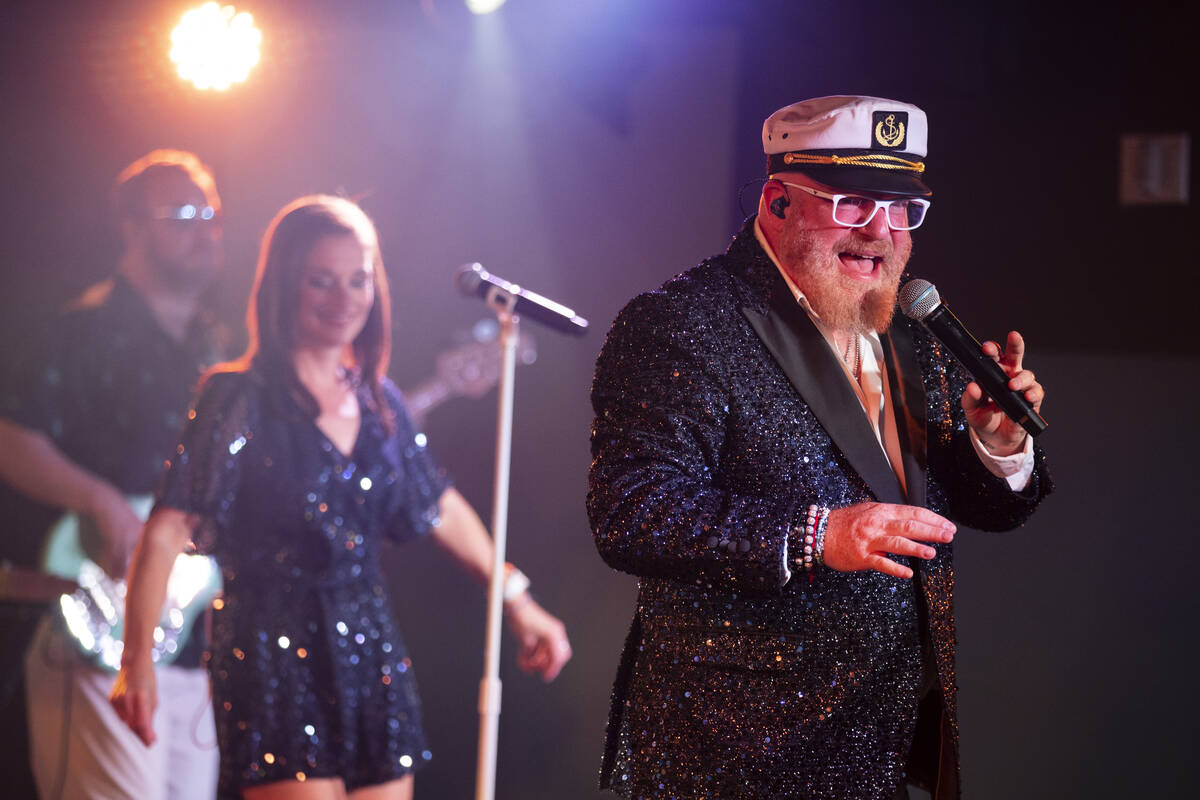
(88,418)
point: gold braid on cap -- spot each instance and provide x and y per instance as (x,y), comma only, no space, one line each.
(877,160)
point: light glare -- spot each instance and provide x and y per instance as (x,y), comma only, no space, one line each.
(483,6)
(215,46)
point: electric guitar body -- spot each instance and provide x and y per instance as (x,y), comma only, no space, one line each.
(94,614)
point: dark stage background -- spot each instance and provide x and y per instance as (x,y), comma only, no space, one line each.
(590,150)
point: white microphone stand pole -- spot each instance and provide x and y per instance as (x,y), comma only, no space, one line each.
(489,688)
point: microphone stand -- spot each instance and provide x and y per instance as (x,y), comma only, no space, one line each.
(502,303)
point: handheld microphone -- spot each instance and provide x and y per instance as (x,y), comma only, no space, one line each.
(919,300)
(473,279)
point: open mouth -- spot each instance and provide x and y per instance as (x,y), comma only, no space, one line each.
(860,265)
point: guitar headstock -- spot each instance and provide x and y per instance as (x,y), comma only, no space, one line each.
(468,369)
(472,368)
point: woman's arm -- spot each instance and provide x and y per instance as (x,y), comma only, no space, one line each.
(542,636)
(135,694)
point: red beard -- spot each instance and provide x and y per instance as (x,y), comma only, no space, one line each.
(843,303)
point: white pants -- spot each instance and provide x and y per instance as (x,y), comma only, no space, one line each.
(80,749)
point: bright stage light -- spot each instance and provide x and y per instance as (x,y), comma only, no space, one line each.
(215,46)
(484,6)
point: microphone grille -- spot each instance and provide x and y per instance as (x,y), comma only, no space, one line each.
(917,298)
(468,277)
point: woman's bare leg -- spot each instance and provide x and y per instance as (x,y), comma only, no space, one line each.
(312,789)
(401,789)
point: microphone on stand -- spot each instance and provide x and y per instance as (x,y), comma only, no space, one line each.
(473,279)
(508,300)
(919,300)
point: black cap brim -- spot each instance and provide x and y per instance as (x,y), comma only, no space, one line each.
(867,180)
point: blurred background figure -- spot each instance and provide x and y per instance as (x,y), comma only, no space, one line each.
(90,412)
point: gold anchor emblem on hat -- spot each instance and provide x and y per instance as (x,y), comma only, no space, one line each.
(891,135)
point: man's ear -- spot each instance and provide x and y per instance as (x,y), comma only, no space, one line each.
(779,207)
(775,199)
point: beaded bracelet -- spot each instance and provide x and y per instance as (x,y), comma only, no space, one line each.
(819,546)
(814,537)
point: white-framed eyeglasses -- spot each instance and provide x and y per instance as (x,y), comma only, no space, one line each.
(187,212)
(855,211)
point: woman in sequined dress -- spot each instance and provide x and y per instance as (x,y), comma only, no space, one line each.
(298,462)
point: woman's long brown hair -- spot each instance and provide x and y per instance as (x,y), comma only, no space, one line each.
(274,299)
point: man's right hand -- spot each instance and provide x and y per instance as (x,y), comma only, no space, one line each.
(119,529)
(861,536)
(135,696)
(33,465)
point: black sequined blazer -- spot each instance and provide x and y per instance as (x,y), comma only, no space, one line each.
(721,414)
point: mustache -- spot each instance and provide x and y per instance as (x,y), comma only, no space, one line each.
(861,245)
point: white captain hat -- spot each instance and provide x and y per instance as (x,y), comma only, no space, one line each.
(863,144)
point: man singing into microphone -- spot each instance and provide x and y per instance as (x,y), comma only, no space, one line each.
(782,461)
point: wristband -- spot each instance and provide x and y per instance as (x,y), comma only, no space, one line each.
(516,583)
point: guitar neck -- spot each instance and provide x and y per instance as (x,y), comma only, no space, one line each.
(468,370)
(426,396)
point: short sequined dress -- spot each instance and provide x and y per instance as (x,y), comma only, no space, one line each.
(310,676)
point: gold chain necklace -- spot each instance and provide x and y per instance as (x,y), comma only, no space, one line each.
(853,355)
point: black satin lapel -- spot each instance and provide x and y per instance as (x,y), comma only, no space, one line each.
(908,403)
(803,355)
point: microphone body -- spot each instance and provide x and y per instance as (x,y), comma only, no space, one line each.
(474,280)
(916,297)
